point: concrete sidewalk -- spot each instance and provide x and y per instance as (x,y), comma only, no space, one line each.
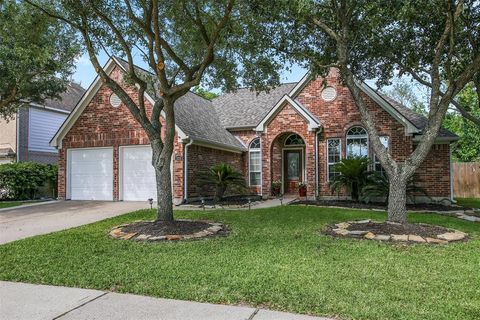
(29,301)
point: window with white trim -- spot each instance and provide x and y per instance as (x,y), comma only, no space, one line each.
(377,166)
(357,142)
(334,155)
(255,162)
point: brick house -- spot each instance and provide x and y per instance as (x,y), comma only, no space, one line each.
(294,133)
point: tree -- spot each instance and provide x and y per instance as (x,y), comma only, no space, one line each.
(467,149)
(182,42)
(209,95)
(433,42)
(407,93)
(37,56)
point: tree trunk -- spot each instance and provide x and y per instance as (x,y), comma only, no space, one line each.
(161,164)
(397,199)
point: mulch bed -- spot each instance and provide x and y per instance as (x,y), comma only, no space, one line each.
(167,231)
(166,228)
(423,230)
(238,200)
(378,205)
(395,232)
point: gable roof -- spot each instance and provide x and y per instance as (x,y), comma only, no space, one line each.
(195,116)
(68,99)
(414,123)
(417,119)
(313,122)
(245,108)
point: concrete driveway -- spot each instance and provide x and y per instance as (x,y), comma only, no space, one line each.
(19,223)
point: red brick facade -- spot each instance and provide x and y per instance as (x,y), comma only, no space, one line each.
(101,125)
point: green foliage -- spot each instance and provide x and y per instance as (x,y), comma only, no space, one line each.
(22,180)
(209,95)
(37,56)
(352,175)
(467,149)
(378,187)
(221,176)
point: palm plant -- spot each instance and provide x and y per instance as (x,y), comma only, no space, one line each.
(221,176)
(351,173)
(378,187)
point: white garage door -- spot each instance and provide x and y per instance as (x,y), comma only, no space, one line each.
(91,174)
(138,176)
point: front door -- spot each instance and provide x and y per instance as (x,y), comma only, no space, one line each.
(292,166)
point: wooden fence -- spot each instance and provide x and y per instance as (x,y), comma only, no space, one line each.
(466,179)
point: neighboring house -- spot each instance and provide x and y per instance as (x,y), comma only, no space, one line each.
(295,133)
(27,136)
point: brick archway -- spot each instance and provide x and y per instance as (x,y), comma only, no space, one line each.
(286,122)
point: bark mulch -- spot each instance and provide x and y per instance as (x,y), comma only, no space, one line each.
(377,205)
(166,228)
(423,230)
(238,200)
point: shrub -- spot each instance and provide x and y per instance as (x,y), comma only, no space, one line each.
(221,176)
(22,180)
(378,187)
(351,174)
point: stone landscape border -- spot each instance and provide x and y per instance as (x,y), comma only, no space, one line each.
(341,229)
(215,228)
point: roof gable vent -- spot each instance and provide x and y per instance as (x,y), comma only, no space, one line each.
(115,100)
(329,94)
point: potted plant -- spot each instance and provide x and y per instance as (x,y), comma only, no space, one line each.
(276,187)
(302,189)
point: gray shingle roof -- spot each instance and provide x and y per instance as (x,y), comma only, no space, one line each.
(197,118)
(418,120)
(68,99)
(247,108)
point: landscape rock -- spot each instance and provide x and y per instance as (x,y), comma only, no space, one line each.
(369,235)
(128,236)
(157,238)
(173,237)
(343,225)
(399,237)
(357,232)
(382,237)
(364,221)
(415,238)
(142,237)
(434,240)
(452,236)
(341,231)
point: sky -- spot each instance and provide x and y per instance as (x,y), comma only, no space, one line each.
(85,73)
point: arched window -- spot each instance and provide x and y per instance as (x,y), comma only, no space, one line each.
(294,140)
(357,142)
(255,162)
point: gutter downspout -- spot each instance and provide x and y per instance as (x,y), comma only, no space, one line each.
(185,171)
(451,174)
(316,164)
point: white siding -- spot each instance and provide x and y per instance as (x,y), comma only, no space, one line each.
(42,126)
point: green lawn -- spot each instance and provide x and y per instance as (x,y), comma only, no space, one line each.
(468,202)
(8,204)
(274,258)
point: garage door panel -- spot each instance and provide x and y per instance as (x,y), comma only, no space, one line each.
(138,175)
(91,174)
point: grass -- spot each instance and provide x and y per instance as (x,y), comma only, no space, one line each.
(8,204)
(274,258)
(468,202)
